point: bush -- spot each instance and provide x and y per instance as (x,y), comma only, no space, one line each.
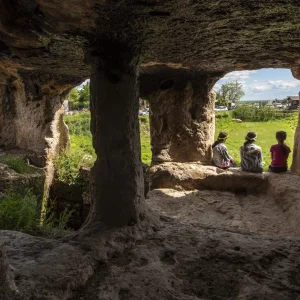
(256,114)
(223,115)
(15,163)
(18,210)
(68,164)
(79,124)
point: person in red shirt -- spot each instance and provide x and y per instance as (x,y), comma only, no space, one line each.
(279,153)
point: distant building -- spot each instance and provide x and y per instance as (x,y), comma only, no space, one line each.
(293,100)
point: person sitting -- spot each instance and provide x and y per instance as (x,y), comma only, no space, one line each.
(221,158)
(251,155)
(279,153)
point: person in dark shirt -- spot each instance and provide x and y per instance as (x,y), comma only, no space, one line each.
(279,153)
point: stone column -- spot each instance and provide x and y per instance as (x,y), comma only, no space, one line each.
(295,167)
(117,191)
(31,116)
(182,116)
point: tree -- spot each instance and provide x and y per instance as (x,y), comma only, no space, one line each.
(84,96)
(73,95)
(79,99)
(232,90)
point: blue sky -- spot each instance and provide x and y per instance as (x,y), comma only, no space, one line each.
(264,84)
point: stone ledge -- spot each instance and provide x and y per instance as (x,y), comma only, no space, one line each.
(190,176)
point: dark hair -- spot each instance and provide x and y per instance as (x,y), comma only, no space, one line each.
(250,138)
(221,138)
(281,137)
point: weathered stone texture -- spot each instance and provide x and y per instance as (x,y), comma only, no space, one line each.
(31,117)
(181,113)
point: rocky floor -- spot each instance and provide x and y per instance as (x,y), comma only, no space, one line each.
(211,245)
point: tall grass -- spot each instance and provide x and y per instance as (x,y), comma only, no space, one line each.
(19,211)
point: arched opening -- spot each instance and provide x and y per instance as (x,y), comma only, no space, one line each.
(264,101)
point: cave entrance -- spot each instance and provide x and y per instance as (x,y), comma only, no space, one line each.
(264,101)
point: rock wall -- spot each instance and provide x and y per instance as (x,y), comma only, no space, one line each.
(31,116)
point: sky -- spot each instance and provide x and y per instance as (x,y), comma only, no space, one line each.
(264,84)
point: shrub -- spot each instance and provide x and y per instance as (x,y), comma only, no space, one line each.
(223,115)
(68,164)
(79,124)
(18,210)
(16,163)
(55,226)
(261,113)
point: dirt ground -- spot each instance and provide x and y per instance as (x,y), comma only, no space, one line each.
(211,245)
(206,245)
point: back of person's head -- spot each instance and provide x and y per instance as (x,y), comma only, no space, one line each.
(281,137)
(222,137)
(250,137)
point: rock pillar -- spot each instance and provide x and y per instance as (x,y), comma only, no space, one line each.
(31,117)
(117,191)
(182,117)
(295,167)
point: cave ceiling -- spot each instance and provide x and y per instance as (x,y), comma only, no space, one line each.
(211,36)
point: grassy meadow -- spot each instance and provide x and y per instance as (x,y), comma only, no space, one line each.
(82,152)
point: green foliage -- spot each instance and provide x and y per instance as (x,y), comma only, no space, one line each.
(84,96)
(145,140)
(68,165)
(16,163)
(79,124)
(73,95)
(232,90)
(55,226)
(255,114)
(18,210)
(223,115)
(79,99)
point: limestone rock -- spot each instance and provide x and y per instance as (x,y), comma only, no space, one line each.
(8,288)
(190,176)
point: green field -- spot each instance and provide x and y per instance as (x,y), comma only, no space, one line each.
(81,139)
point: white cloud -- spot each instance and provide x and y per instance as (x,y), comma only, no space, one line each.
(238,75)
(284,84)
(272,85)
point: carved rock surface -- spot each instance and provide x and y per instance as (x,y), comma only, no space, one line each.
(210,35)
(190,176)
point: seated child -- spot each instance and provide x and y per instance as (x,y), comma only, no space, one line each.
(251,155)
(279,153)
(221,158)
